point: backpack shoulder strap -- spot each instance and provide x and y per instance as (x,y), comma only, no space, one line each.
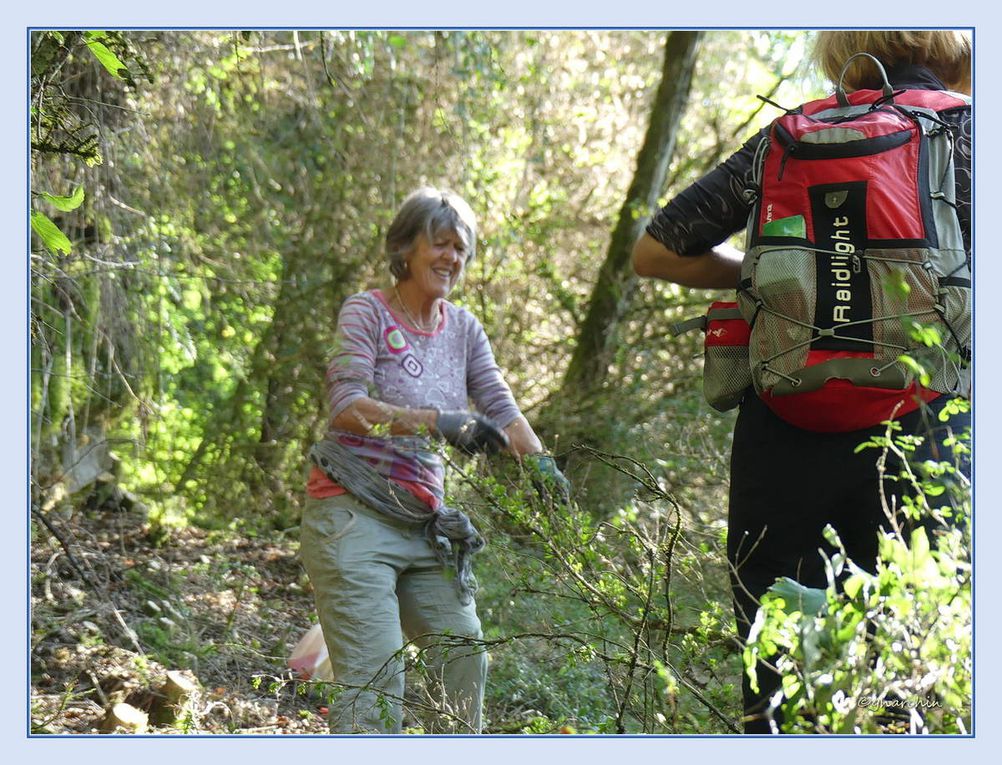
(937,100)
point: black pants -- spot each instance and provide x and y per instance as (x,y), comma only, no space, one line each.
(787,484)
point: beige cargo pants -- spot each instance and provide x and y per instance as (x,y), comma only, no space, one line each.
(376,581)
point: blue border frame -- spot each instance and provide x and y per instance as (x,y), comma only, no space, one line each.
(484,737)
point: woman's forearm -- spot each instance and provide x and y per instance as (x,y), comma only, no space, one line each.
(522,439)
(363,415)
(717,268)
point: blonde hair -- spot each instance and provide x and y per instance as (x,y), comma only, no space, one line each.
(946,53)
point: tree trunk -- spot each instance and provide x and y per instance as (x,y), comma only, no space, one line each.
(589,364)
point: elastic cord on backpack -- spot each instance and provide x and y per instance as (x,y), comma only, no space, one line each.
(963,350)
(745,286)
(943,180)
(769,101)
(758,164)
(949,130)
(886,99)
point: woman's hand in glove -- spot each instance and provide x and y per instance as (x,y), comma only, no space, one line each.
(470,432)
(547,478)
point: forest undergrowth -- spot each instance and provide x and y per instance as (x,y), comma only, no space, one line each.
(612,625)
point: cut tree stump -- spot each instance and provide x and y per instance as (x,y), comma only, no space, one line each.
(125,717)
(175,699)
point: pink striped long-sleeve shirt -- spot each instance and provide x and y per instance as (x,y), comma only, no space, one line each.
(379,354)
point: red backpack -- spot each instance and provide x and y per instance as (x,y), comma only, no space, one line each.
(852,241)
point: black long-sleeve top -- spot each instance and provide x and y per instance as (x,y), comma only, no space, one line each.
(716,206)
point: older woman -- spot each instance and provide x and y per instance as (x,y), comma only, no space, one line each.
(386,557)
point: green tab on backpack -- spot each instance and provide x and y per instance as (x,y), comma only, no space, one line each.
(795,225)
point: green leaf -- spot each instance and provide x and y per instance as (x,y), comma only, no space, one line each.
(896,285)
(109,60)
(920,544)
(66,204)
(916,368)
(807,600)
(397,41)
(926,334)
(853,585)
(791,685)
(50,234)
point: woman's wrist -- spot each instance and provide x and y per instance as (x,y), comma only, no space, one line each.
(414,421)
(429,420)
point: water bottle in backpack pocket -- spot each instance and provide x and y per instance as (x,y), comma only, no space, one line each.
(726,371)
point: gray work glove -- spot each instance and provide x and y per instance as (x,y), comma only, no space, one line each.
(470,432)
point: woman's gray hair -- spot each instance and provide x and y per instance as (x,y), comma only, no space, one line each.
(428,211)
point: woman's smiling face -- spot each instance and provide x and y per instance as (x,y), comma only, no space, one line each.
(434,266)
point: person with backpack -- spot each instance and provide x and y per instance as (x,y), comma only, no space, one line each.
(388,559)
(858,217)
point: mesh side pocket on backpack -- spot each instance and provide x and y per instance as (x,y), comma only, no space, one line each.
(784,279)
(901,291)
(726,371)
